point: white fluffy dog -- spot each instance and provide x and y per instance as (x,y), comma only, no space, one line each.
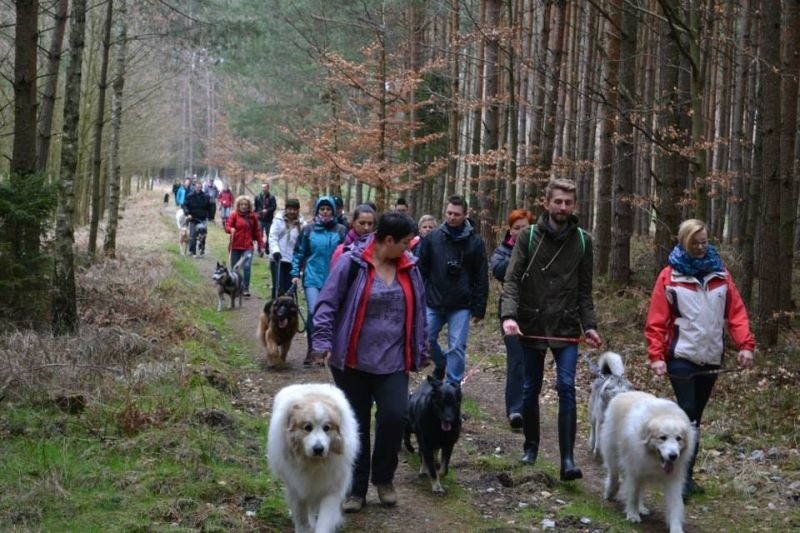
(608,384)
(647,440)
(312,444)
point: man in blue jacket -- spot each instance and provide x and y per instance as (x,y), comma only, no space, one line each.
(453,263)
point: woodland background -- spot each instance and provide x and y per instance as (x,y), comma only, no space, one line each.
(659,109)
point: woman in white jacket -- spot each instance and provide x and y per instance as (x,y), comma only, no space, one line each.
(283,234)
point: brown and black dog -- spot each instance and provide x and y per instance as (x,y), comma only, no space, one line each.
(277,326)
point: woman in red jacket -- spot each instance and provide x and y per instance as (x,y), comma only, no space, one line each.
(244,229)
(694,298)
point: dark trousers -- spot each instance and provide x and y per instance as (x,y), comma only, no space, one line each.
(284,278)
(390,394)
(515,374)
(692,394)
(197,236)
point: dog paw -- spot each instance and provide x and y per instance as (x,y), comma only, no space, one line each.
(437,488)
(633,517)
(644,510)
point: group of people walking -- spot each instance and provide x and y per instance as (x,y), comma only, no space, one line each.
(380,290)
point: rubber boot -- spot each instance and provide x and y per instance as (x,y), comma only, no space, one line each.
(567,424)
(691,488)
(530,428)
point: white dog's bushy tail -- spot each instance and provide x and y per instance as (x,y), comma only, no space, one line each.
(611,363)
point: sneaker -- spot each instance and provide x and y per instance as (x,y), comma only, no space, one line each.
(202,252)
(246,293)
(387,495)
(515,420)
(353,504)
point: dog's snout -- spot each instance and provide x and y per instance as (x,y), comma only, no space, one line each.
(673,456)
(318,449)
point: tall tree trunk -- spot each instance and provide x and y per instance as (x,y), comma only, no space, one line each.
(672,130)
(97,158)
(770,127)
(554,91)
(110,242)
(539,88)
(26,36)
(491,121)
(788,192)
(453,124)
(608,129)
(45,124)
(65,308)
(736,200)
(624,175)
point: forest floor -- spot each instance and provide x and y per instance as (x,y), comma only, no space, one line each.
(749,461)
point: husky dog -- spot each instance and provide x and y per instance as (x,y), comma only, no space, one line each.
(610,382)
(229,281)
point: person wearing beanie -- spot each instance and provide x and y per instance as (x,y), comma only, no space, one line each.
(283,235)
(311,261)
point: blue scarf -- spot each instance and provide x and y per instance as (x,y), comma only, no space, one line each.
(695,266)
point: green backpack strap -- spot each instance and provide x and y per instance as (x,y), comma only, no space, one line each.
(580,233)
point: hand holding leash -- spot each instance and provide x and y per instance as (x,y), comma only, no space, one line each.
(510,327)
(745,358)
(593,338)
(659,368)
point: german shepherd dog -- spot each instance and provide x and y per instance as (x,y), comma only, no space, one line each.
(434,415)
(228,281)
(277,326)
(609,382)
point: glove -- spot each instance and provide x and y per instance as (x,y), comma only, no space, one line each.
(277,257)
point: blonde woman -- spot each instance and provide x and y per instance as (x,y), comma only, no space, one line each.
(244,230)
(694,299)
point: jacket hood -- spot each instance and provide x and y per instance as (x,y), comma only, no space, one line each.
(459,234)
(544,224)
(324,200)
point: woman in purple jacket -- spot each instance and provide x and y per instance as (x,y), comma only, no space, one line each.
(369,325)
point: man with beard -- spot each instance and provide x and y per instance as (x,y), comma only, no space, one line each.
(547,301)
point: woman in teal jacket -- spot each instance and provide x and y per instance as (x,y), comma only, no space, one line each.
(312,256)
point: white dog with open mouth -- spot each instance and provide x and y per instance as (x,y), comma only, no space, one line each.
(647,440)
(312,444)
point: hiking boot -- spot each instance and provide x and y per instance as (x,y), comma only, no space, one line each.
(515,421)
(387,495)
(246,293)
(353,504)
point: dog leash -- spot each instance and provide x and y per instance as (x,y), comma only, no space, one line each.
(576,340)
(293,293)
(712,372)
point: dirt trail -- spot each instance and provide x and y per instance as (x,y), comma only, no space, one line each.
(498,495)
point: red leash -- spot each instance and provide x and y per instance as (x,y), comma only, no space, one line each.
(562,339)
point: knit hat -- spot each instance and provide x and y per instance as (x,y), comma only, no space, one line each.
(293,203)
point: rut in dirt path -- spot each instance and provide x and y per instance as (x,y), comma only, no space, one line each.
(418,509)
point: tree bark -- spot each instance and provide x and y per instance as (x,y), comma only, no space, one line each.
(45,124)
(110,242)
(97,158)
(770,126)
(608,128)
(65,308)
(788,191)
(624,175)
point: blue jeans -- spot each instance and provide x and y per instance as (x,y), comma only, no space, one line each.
(455,359)
(312,295)
(246,264)
(566,362)
(515,374)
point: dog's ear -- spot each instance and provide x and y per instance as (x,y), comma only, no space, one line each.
(268,307)
(337,442)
